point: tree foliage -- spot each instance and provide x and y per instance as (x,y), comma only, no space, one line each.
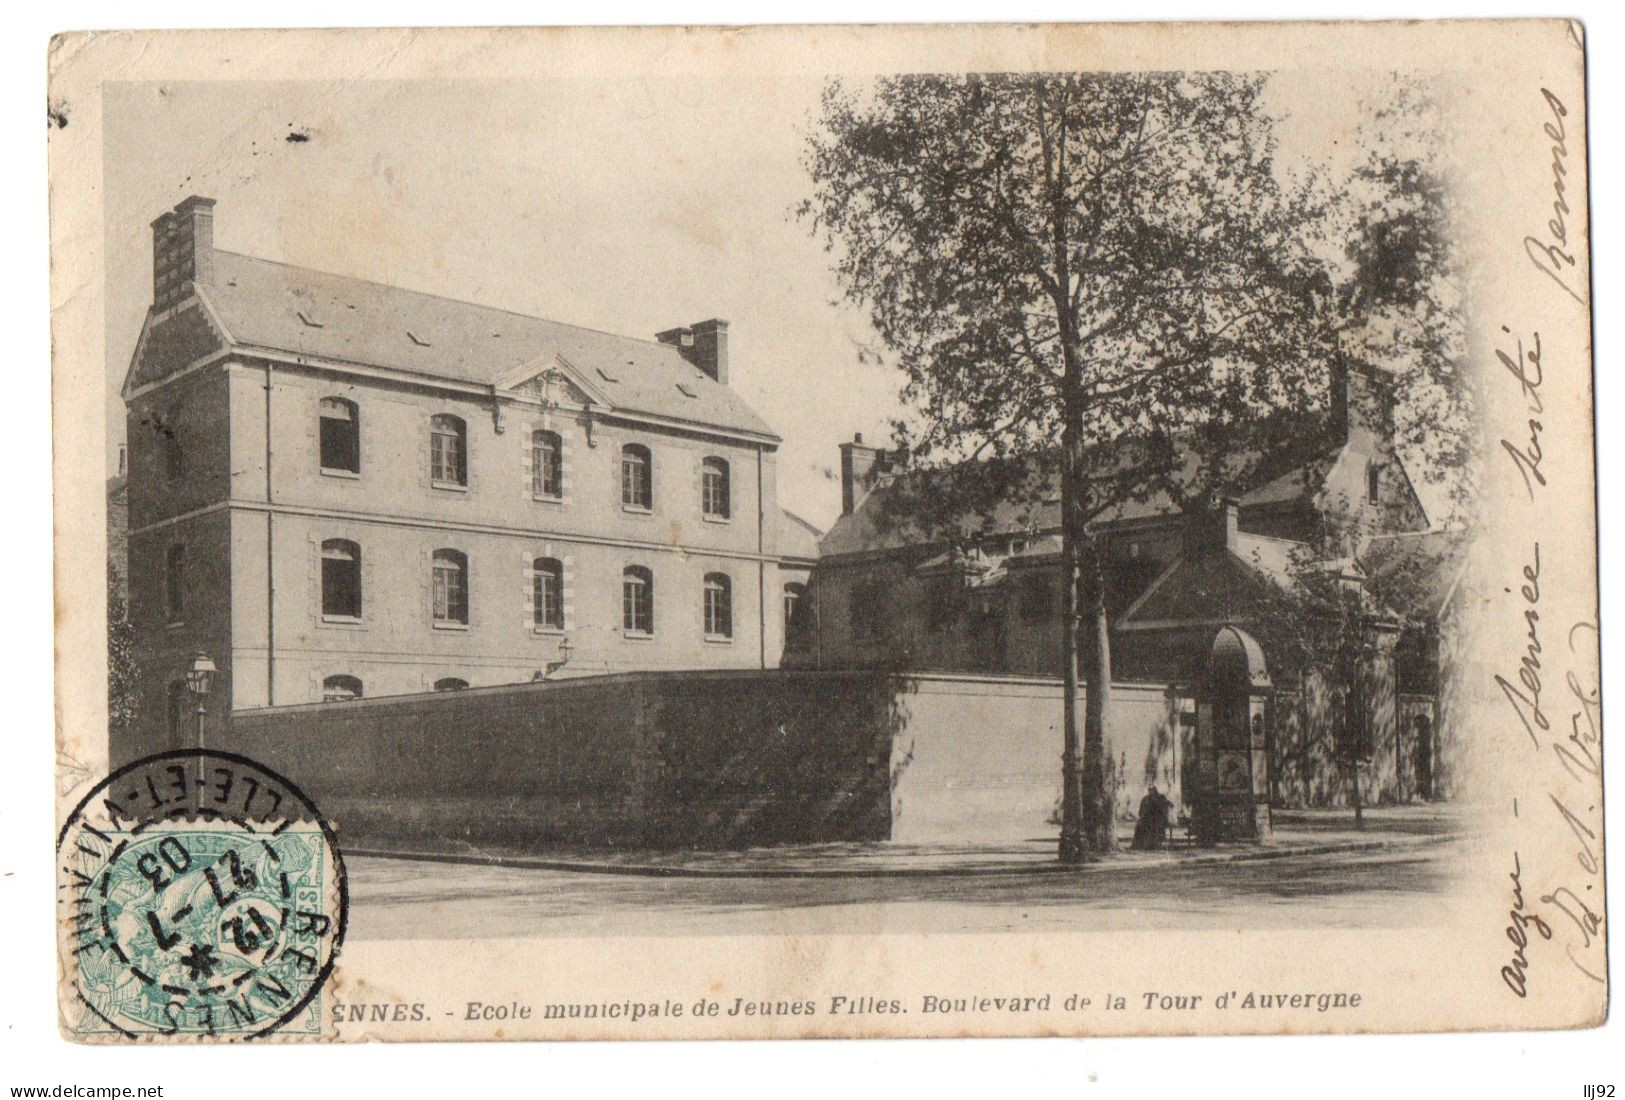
(1114,248)
(1100,289)
(1399,296)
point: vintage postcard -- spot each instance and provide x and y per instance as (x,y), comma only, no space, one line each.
(825,531)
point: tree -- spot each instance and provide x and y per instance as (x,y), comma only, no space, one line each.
(1397,298)
(1104,261)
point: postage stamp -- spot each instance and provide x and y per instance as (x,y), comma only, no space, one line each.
(200,895)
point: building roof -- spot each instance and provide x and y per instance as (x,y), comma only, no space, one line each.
(796,537)
(274,306)
(1215,584)
(884,520)
(1415,574)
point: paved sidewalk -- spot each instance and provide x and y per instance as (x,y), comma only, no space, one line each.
(1296,833)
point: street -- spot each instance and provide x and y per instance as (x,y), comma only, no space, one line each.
(399,899)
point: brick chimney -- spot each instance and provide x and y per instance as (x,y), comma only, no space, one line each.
(858,468)
(1214,531)
(1362,403)
(1229,522)
(182,250)
(704,343)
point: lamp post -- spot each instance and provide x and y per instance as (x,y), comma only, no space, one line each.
(199,678)
(565,649)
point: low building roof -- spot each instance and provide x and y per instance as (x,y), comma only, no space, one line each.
(1415,574)
(796,537)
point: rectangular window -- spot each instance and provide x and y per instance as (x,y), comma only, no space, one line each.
(637,601)
(448,451)
(719,618)
(341,579)
(637,482)
(547,580)
(340,436)
(450,588)
(714,489)
(174,584)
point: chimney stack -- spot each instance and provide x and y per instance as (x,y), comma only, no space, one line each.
(1229,522)
(704,343)
(182,250)
(858,469)
(1213,530)
(1362,408)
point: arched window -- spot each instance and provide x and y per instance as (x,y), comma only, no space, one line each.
(637,600)
(341,579)
(340,435)
(175,583)
(714,490)
(450,575)
(719,606)
(450,683)
(448,450)
(796,625)
(637,477)
(546,464)
(547,593)
(336,689)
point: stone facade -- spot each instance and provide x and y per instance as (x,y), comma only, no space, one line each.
(241,506)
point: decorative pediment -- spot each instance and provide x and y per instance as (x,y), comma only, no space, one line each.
(553,384)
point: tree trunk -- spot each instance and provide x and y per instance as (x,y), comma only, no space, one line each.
(1073,845)
(1099,790)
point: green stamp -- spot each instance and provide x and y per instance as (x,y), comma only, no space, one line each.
(202,895)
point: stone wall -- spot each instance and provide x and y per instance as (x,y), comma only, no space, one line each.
(698,759)
(706,760)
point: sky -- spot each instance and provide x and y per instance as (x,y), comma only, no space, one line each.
(630,206)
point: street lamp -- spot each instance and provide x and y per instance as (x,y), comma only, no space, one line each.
(565,649)
(199,678)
